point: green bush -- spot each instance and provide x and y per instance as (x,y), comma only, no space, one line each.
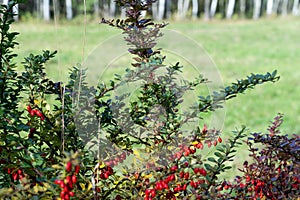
(138,148)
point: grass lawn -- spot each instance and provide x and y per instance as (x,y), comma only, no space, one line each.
(237,48)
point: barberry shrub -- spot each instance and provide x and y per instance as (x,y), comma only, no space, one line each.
(45,126)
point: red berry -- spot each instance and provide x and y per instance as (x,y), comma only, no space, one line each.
(219,139)
(68,166)
(57,182)
(174,168)
(39,113)
(62,184)
(106,175)
(71,194)
(184,187)
(215,143)
(29,108)
(15,176)
(202,172)
(74,179)
(209,144)
(77,168)
(9,170)
(68,179)
(199,146)
(32,112)
(181,174)
(186,176)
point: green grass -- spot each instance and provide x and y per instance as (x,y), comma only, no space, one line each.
(237,48)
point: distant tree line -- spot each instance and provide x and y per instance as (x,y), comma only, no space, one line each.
(162,9)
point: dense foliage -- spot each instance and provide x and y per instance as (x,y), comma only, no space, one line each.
(72,140)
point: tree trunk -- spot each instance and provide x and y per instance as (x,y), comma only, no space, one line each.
(275,6)
(155,10)
(112,8)
(186,4)
(269,7)
(96,8)
(161,9)
(168,9)
(46,10)
(195,9)
(16,12)
(284,8)
(213,8)
(69,9)
(243,8)
(230,9)
(5,2)
(256,11)
(295,10)
(206,10)
(180,9)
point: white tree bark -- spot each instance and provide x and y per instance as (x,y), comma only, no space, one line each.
(161,9)
(180,9)
(69,9)
(230,9)
(155,10)
(213,7)
(186,4)
(295,10)
(207,10)
(242,7)
(195,8)
(112,8)
(46,10)
(5,2)
(96,8)
(269,7)
(275,6)
(256,10)
(16,12)
(284,8)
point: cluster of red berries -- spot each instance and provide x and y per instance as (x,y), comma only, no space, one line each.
(68,183)
(163,184)
(106,172)
(16,174)
(116,160)
(35,112)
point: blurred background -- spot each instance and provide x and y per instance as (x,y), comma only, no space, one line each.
(162,9)
(239,36)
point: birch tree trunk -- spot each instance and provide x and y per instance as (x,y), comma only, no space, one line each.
(243,8)
(269,7)
(69,9)
(16,12)
(206,10)
(195,9)
(295,10)
(186,4)
(96,8)
(5,2)
(112,8)
(284,7)
(168,9)
(256,10)
(275,6)
(213,8)
(46,10)
(161,9)
(180,9)
(230,9)
(155,10)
